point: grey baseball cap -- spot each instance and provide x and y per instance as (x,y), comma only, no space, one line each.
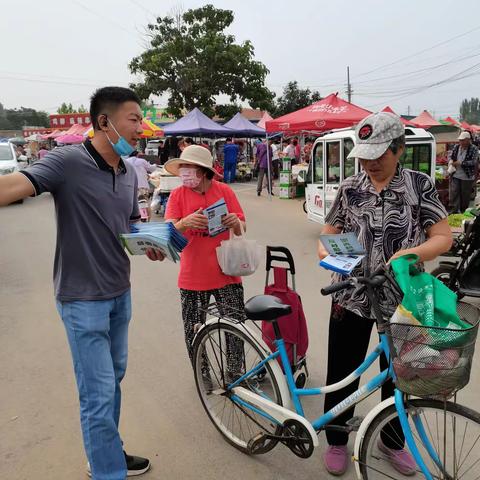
(374,135)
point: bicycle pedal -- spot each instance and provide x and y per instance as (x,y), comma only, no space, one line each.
(256,444)
(354,423)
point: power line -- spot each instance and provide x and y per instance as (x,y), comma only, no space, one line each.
(420,52)
(143,7)
(106,19)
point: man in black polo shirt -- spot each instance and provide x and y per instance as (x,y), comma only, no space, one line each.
(95,198)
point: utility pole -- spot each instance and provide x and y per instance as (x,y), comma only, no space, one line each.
(349,86)
(408,110)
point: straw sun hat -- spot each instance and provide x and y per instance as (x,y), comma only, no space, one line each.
(193,155)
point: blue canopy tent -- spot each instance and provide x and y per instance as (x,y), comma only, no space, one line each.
(243,128)
(196,123)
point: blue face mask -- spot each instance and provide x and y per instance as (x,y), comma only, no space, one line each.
(121,147)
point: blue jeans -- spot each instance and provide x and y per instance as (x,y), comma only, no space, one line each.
(97,332)
(229,171)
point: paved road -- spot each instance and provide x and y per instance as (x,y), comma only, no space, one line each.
(162,417)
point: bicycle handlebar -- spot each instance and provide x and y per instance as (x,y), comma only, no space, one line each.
(369,286)
(336,287)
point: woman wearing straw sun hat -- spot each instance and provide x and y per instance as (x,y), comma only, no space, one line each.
(200,275)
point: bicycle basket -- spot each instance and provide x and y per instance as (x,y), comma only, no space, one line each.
(433,361)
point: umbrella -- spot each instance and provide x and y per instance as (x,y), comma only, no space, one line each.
(18,141)
(150,129)
(69,139)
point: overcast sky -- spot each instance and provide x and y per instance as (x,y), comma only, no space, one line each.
(61,50)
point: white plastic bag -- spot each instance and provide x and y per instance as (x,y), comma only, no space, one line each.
(238,256)
(156,200)
(451,169)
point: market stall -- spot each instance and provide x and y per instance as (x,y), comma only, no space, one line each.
(196,123)
(326,114)
(330,113)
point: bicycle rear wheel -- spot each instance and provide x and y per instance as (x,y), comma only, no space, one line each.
(222,353)
(452,429)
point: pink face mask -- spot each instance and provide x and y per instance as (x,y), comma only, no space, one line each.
(189,177)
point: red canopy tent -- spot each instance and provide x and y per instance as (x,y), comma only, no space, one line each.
(451,121)
(425,120)
(408,123)
(331,112)
(465,126)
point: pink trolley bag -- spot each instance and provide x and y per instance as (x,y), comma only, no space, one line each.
(294,325)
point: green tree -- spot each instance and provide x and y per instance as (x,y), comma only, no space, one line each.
(226,112)
(470,111)
(82,109)
(64,108)
(20,117)
(4,122)
(193,60)
(293,98)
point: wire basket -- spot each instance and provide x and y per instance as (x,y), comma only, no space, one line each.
(433,361)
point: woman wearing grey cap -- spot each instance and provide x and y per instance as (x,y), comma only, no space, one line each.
(393,211)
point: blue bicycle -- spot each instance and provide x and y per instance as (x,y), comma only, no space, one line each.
(249,392)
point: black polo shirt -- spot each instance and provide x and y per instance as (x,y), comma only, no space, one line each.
(93,205)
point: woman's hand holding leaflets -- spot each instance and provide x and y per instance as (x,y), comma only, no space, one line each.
(196,220)
(231,220)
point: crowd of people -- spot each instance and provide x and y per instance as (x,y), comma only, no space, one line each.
(92,269)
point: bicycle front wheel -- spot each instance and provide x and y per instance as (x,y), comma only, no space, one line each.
(453,431)
(222,354)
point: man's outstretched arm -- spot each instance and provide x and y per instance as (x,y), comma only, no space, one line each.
(13,187)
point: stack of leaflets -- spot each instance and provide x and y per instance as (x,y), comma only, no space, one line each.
(215,214)
(160,236)
(345,252)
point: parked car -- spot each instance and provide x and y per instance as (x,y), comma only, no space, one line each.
(8,160)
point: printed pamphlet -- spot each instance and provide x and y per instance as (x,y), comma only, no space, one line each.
(160,236)
(345,252)
(215,214)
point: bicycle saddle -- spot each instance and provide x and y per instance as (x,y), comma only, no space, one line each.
(266,307)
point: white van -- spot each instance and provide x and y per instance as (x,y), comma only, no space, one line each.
(329,165)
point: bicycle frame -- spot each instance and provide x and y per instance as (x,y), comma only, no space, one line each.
(356,397)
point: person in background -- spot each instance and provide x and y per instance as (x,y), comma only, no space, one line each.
(142,170)
(289,150)
(230,158)
(275,159)
(43,151)
(297,151)
(394,212)
(307,151)
(29,153)
(161,145)
(264,162)
(95,197)
(200,276)
(464,159)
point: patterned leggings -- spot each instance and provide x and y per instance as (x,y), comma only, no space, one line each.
(231,295)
